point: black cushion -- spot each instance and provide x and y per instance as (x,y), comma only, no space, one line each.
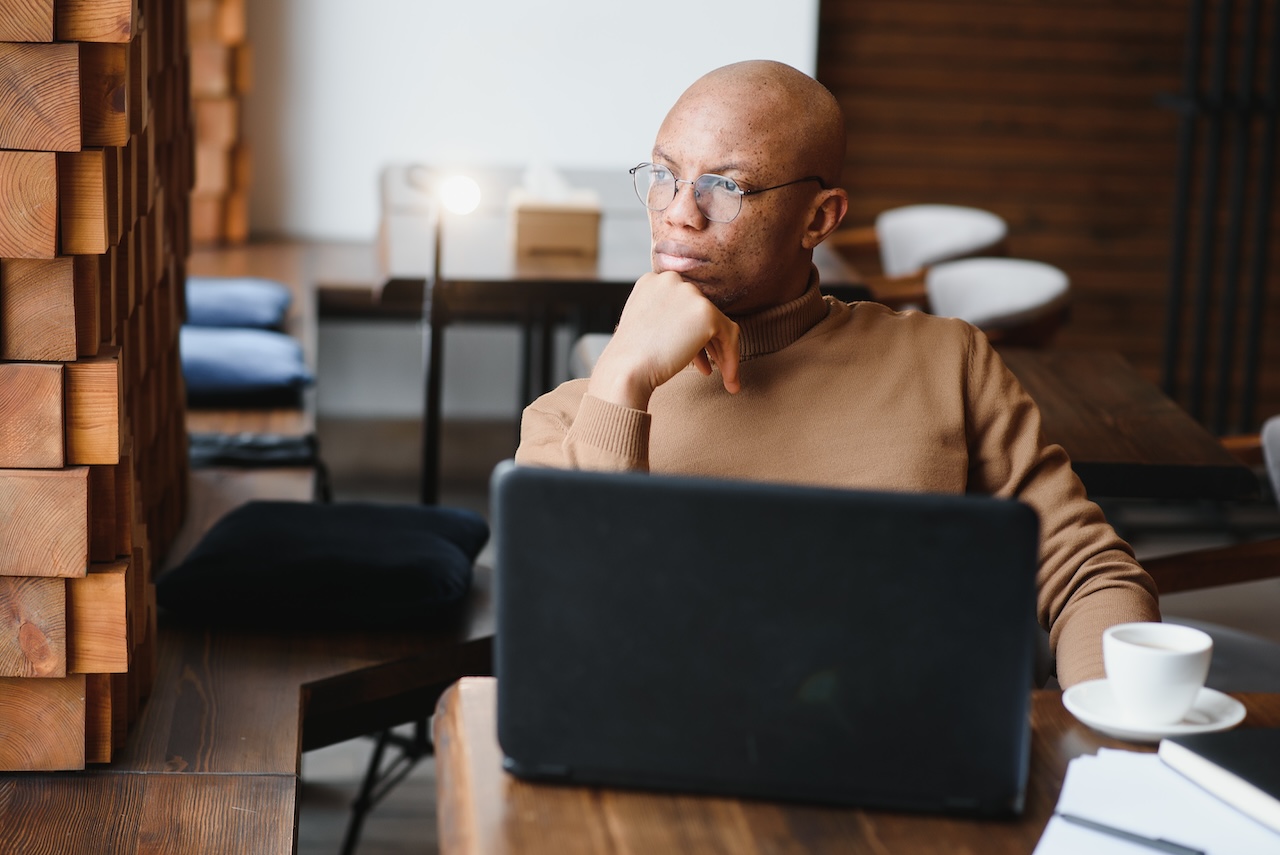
(327,566)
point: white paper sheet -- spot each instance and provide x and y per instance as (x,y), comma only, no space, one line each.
(1137,792)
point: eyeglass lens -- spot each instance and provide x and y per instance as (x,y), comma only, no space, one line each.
(718,198)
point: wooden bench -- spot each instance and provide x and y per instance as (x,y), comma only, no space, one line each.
(212,763)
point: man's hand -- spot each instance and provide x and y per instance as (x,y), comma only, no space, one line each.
(666,324)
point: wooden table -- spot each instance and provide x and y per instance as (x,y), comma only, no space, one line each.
(1126,439)
(483,810)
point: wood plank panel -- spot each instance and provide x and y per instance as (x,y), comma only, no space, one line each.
(41,726)
(40,97)
(94,412)
(98,620)
(44,527)
(1048,113)
(95,20)
(82,194)
(98,718)
(31,410)
(37,310)
(33,627)
(28,204)
(26,20)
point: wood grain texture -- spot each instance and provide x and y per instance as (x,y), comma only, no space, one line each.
(86,274)
(82,196)
(482,809)
(98,716)
(38,320)
(28,204)
(95,20)
(26,20)
(98,620)
(31,410)
(40,97)
(94,408)
(33,627)
(104,98)
(44,528)
(124,814)
(41,729)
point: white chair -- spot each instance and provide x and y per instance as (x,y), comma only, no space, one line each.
(1014,301)
(914,237)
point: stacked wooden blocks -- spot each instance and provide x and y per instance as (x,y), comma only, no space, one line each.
(95,171)
(220,76)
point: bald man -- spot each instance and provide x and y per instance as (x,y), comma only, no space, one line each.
(728,362)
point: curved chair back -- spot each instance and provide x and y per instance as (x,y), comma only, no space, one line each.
(916,236)
(1004,297)
(1271,453)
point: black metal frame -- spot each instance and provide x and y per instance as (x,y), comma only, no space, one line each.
(1209,114)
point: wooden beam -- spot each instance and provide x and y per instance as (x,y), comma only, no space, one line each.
(87,275)
(93,409)
(98,718)
(42,724)
(104,101)
(82,194)
(44,522)
(37,310)
(97,620)
(102,513)
(40,97)
(26,20)
(95,20)
(31,410)
(28,204)
(33,627)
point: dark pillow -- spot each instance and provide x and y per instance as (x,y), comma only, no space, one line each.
(225,366)
(290,565)
(236,301)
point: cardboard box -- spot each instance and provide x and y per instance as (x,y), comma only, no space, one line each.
(568,227)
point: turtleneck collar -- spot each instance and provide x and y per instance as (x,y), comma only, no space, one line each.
(771,330)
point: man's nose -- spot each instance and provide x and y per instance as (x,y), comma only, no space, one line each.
(684,209)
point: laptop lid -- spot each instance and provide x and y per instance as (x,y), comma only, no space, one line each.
(763,640)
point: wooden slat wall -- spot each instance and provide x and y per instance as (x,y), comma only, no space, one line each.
(221,72)
(95,170)
(1047,113)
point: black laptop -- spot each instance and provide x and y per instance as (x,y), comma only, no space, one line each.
(768,641)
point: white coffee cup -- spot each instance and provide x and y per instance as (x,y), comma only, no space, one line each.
(1155,670)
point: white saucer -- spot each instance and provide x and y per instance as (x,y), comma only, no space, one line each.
(1093,704)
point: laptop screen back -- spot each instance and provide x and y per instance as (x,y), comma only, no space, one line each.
(765,640)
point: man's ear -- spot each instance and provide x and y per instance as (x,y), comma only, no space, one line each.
(827,214)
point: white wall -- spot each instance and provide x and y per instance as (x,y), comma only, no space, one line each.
(342,87)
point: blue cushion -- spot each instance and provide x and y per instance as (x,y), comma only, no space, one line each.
(236,301)
(271,564)
(225,366)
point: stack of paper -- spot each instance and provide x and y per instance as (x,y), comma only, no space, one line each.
(1138,793)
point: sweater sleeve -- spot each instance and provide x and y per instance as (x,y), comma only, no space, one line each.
(1088,578)
(568,429)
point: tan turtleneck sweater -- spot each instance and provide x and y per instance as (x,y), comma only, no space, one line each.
(858,396)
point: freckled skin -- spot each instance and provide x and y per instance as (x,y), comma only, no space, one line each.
(762,124)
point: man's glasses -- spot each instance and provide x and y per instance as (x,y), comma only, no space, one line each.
(717,197)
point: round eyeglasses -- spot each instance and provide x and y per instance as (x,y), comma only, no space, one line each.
(717,197)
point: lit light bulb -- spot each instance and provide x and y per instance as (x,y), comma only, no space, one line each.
(460,194)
